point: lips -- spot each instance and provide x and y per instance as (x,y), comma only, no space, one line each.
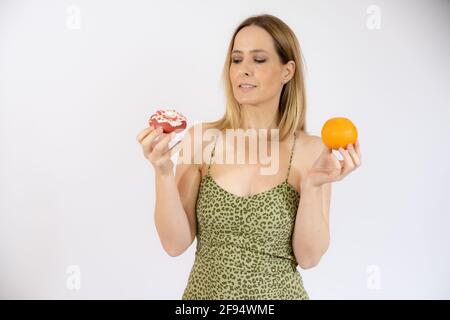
(246,85)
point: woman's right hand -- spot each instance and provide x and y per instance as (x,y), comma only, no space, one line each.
(155,147)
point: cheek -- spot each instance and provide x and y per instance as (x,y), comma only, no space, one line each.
(233,72)
(266,75)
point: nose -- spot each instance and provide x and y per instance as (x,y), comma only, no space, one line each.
(245,70)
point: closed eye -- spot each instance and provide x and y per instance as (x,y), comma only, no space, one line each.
(236,61)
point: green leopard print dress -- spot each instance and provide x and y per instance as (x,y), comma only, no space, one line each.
(244,248)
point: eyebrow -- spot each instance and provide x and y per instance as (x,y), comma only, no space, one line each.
(254,50)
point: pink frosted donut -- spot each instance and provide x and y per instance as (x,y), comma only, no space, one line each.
(170,120)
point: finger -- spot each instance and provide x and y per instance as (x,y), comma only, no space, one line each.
(162,145)
(358,150)
(147,141)
(175,148)
(337,163)
(348,162)
(353,155)
(156,140)
(324,156)
(144,133)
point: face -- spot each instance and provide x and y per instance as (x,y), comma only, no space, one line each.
(254,61)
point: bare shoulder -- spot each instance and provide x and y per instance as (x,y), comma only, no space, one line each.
(310,147)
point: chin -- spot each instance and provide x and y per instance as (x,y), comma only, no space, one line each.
(248,101)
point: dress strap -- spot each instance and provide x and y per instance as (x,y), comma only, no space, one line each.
(290,159)
(212,154)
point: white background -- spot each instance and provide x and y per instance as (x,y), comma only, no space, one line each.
(75,188)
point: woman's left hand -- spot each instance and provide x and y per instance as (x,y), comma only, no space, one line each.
(328,168)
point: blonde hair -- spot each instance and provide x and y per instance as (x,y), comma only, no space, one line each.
(292,106)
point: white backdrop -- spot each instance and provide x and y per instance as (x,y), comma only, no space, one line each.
(78,80)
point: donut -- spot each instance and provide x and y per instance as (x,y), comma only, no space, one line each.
(170,120)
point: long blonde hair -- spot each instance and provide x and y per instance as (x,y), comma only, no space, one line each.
(292,106)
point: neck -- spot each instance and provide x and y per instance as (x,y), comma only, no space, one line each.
(262,116)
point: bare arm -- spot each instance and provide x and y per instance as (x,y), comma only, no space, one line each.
(311,236)
(174,222)
(176,194)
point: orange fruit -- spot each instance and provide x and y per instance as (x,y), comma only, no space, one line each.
(339,132)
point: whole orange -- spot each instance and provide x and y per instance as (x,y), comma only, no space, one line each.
(339,132)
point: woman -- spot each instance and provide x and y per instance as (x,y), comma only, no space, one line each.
(252,229)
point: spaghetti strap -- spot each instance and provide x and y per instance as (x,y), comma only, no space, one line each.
(290,159)
(212,154)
